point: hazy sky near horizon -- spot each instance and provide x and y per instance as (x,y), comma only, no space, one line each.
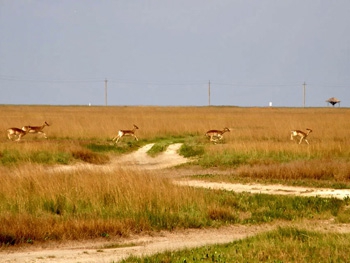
(162,52)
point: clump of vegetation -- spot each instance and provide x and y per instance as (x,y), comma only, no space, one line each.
(191,150)
(90,157)
(158,148)
(8,157)
(13,157)
(101,147)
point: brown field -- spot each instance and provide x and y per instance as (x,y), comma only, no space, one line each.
(250,126)
(52,206)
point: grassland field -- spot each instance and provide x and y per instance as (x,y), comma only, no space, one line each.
(39,207)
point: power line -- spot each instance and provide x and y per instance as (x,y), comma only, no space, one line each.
(161,83)
(25,79)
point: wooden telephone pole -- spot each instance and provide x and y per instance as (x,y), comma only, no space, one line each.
(106,103)
(304,91)
(209,93)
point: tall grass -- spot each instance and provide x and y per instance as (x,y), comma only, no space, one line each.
(37,204)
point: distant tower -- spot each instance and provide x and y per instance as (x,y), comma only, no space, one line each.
(333,101)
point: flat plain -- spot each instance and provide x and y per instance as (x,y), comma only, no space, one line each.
(110,201)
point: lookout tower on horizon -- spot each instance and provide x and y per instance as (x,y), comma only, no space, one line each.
(333,101)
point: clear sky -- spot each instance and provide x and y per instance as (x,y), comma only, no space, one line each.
(165,52)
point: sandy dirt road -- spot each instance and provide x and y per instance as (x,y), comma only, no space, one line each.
(115,250)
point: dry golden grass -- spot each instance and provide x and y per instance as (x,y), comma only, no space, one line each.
(249,125)
(39,204)
(36,203)
(261,135)
(253,130)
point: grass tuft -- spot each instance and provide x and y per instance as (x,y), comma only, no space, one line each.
(90,157)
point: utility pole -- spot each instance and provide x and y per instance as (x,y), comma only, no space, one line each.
(209,92)
(304,90)
(106,92)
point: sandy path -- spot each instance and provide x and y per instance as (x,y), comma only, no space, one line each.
(138,160)
(269,189)
(142,245)
(141,160)
(96,251)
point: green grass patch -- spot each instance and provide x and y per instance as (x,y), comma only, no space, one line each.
(45,157)
(101,148)
(8,157)
(191,150)
(158,148)
(162,143)
(287,244)
(170,139)
(11,157)
(228,158)
(224,159)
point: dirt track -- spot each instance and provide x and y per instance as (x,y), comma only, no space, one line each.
(96,251)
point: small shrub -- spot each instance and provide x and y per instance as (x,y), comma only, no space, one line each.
(222,214)
(7,239)
(187,150)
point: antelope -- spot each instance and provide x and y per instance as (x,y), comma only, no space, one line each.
(216,133)
(15,132)
(36,129)
(301,134)
(122,133)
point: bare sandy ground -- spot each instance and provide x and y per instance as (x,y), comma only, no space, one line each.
(270,189)
(115,250)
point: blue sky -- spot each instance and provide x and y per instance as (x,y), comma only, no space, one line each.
(162,52)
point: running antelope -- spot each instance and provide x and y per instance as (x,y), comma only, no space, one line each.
(11,132)
(216,133)
(36,129)
(122,133)
(300,134)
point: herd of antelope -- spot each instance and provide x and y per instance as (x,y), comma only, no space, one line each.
(213,135)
